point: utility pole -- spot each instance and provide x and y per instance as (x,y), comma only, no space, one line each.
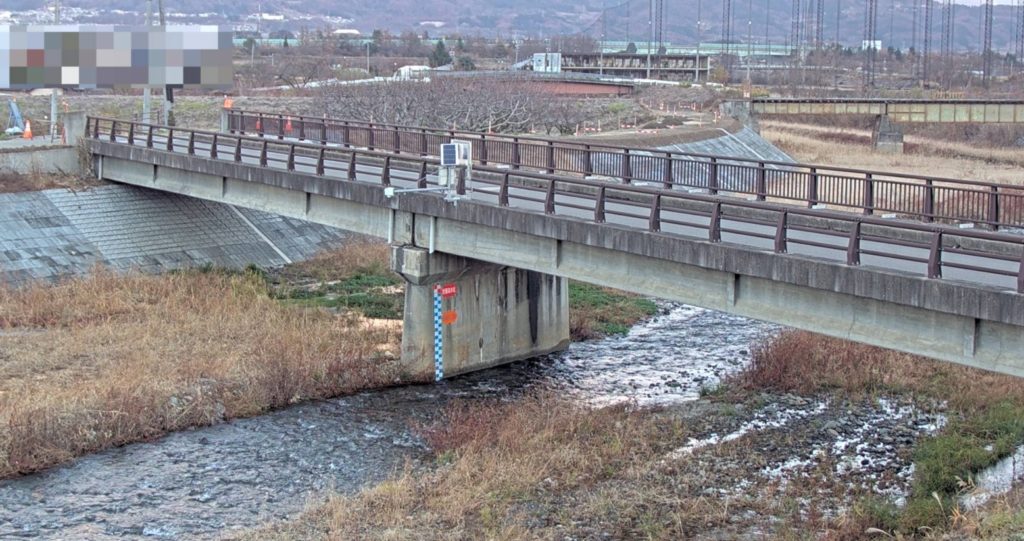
(727,34)
(696,69)
(168,90)
(604,35)
(1019,51)
(650,34)
(870,37)
(54,92)
(926,53)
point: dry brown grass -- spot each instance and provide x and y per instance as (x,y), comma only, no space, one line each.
(16,182)
(105,360)
(848,147)
(805,362)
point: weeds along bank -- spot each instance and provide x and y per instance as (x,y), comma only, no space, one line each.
(544,467)
(105,360)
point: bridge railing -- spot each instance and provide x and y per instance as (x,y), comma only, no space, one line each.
(924,198)
(780,228)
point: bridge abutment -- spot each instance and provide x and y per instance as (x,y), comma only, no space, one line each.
(887,135)
(490,314)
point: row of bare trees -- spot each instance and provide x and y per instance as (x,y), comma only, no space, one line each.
(494,104)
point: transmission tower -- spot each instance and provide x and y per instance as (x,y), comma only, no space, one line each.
(1019,51)
(659,24)
(819,25)
(870,36)
(986,46)
(727,28)
(926,46)
(796,20)
(948,14)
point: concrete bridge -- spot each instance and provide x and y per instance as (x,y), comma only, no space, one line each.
(495,261)
(890,113)
(923,198)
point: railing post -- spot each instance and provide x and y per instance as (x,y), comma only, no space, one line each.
(483,150)
(668,179)
(812,188)
(320,162)
(213,147)
(370,137)
(549,200)
(238,150)
(302,129)
(421,181)
(149,137)
(993,208)
(280,126)
(323,132)
(551,157)
(95,128)
(762,184)
(263,154)
(423,143)
(588,161)
(929,201)
(503,191)
(853,246)
(713,177)
(291,158)
(346,135)
(191,143)
(113,131)
(599,206)
(397,141)
(780,233)
(385,172)
(170,139)
(131,134)
(869,194)
(352,166)
(935,256)
(715,225)
(1020,273)
(627,167)
(654,224)
(515,153)
(259,124)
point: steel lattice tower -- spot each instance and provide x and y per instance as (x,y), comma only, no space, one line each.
(726,26)
(1019,51)
(948,14)
(659,23)
(870,36)
(926,46)
(986,45)
(819,25)
(795,33)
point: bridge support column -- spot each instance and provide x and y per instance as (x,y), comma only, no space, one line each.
(887,136)
(501,314)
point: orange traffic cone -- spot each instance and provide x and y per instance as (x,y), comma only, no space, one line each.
(259,125)
(288,125)
(228,102)
(27,134)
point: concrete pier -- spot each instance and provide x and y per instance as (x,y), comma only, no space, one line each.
(887,136)
(501,314)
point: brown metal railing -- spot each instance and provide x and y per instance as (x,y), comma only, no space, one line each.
(923,198)
(938,247)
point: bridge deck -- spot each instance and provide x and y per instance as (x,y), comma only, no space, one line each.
(928,199)
(899,110)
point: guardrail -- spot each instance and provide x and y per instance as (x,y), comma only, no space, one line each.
(596,201)
(924,198)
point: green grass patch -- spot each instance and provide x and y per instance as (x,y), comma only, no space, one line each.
(370,292)
(596,311)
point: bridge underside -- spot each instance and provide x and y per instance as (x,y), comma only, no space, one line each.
(942,319)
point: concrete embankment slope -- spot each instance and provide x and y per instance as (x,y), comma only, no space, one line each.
(56,233)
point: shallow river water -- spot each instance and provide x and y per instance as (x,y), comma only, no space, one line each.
(198,483)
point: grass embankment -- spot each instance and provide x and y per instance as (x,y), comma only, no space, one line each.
(596,311)
(986,421)
(105,360)
(16,182)
(545,468)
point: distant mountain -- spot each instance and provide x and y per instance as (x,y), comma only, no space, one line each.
(760,19)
